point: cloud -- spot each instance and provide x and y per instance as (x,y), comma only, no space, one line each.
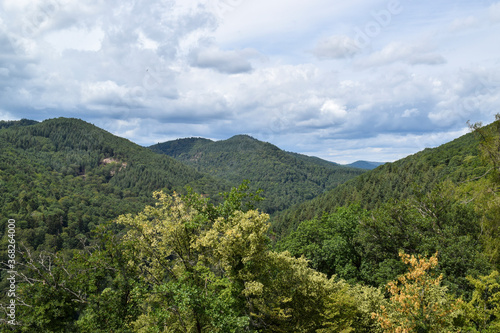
(166,69)
(76,39)
(4,115)
(228,62)
(386,147)
(410,112)
(413,54)
(471,94)
(494,12)
(426,59)
(336,47)
(333,109)
(104,92)
(464,23)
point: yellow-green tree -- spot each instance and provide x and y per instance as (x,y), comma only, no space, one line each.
(484,308)
(210,269)
(418,302)
(180,292)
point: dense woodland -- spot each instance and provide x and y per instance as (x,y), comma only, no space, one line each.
(456,161)
(113,237)
(285,178)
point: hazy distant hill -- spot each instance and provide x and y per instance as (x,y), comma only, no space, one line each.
(456,160)
(365,165)
(286,178)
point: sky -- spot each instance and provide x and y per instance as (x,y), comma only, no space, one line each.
(342,80)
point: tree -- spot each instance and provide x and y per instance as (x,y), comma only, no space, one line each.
(418,302)
(484,189)
(210,269)
(484,308)
(178,290)
(330,242)
(89,290)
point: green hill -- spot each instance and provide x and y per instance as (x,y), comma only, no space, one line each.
(192,266)
(456,160)
(61,177)
(286,178)
(365,165)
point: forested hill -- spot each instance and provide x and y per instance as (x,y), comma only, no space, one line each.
(88,251)
(61,177)
(17,123)
(365,165)
(77,148)
(456,160)
(285,178)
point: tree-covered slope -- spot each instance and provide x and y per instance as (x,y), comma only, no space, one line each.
(456,160)
(424,257)
(365,165)
(286,178)
(61,177)
(16,123)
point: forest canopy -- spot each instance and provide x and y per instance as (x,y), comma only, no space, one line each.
(111,236)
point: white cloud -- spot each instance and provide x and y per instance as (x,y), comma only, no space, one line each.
(335,47)
(229,62)
(101,92)
(413,54)
(145,42)
(464,23)
(4,115)
(494,12)
(217,68)
(255,20)
(76,39)
(334,109)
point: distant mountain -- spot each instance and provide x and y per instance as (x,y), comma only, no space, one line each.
(457,160)
(180,147)
(316,160)
(62,177)
(365,165)
(286,178)
(22,122)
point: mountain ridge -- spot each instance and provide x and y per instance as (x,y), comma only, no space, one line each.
(367,165)
(420,172)
(62,177)
(285,177)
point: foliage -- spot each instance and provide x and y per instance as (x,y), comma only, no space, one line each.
(87,290)
(196,263)
(418,302)
(484,308)
(285,178)
(363,246)
(22,122)
(61,178)
(202,269)
(330,243)
(483,191)
(456,161)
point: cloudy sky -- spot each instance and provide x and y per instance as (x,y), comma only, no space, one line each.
(342,80)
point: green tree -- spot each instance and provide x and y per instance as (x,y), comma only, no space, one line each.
(484,308)
(483,190)
(210,269)
(428,223)
(330,242)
